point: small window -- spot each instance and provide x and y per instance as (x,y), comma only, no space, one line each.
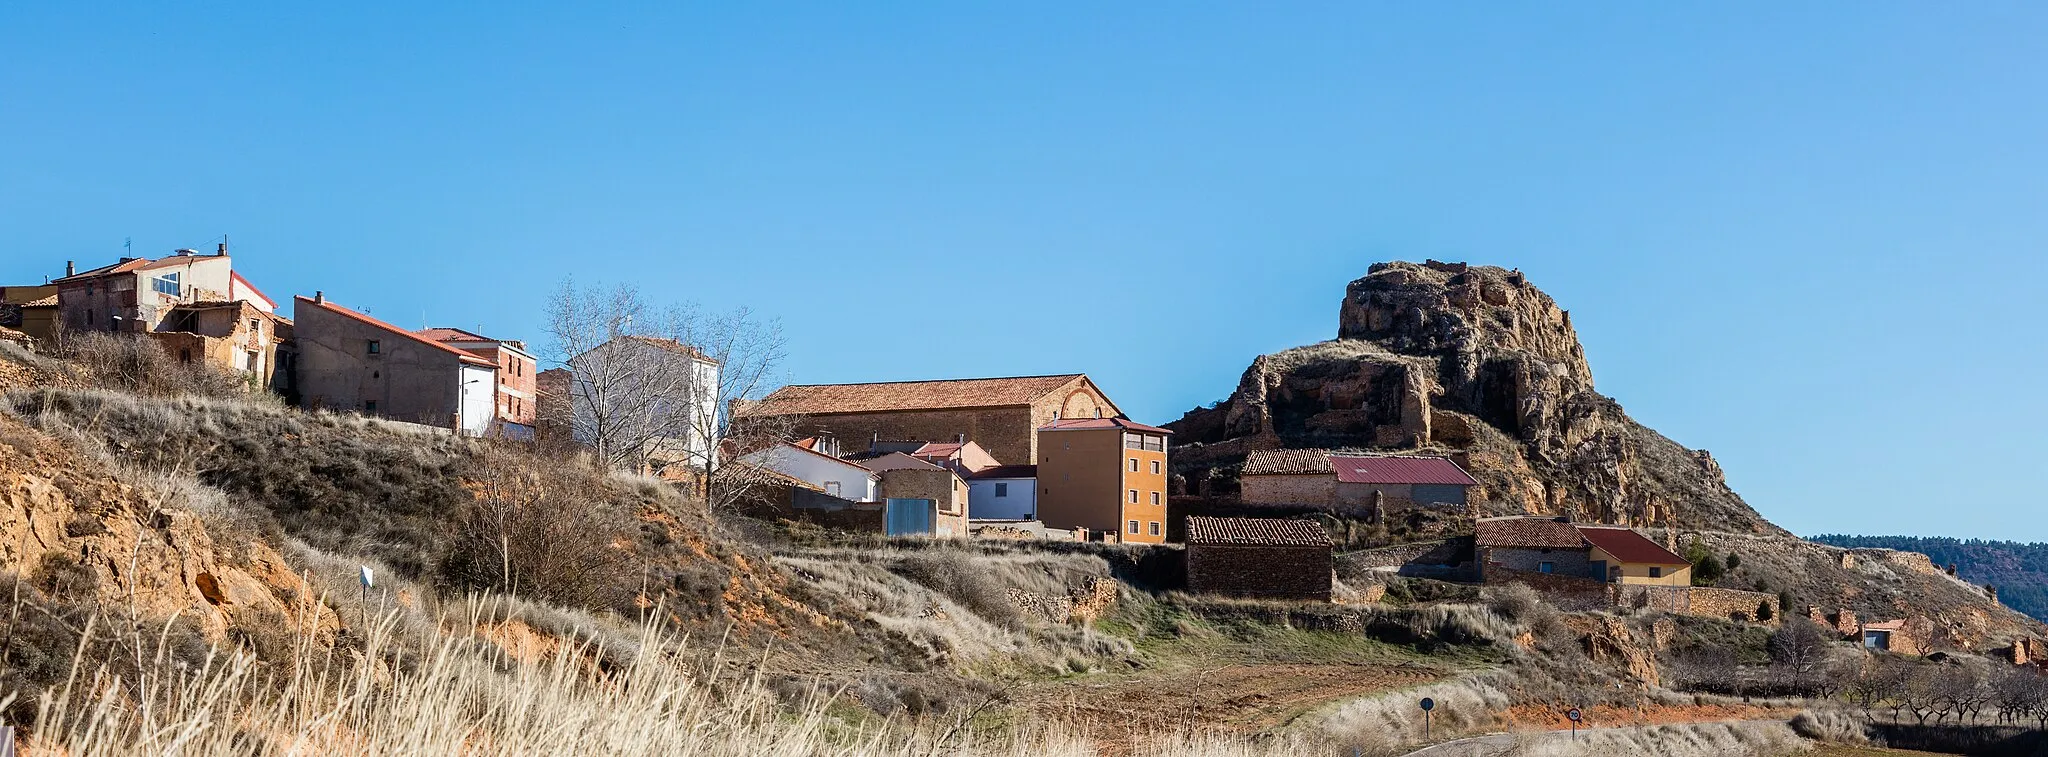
(1155,498)
(255,326)
(1002,490)
(1134,526)
(1155,467)
(1656,572)
(1545,567)
(376,347)
(1134,465)
(369,406)
(832,488)
(1134,496)
(88,318)
(1154,527)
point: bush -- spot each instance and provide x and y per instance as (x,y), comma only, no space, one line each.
(140,365)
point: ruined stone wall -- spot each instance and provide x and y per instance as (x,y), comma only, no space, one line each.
(1709,602)
(1562,562)
(1261,572)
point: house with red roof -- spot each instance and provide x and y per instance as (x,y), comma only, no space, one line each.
(1352,482)
(351,362)
(196,306)
(1557,546)
(516,399)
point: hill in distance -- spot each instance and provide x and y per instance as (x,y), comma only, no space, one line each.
(2018,570)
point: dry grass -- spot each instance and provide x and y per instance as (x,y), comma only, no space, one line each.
(1689,740)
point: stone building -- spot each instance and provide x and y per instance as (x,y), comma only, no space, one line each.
(1107,475)
(31,310)
(135,295)
(1003,415)
(235,336)
(1352,482)
(1265,558)
(1530,545)
(351,362)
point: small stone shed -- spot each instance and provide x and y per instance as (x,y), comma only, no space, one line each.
(1261,558)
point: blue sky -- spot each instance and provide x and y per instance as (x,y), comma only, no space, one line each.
(1809,239)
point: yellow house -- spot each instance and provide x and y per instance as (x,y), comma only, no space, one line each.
(1623,556)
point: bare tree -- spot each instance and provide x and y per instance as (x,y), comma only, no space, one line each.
(652,387)
(1799,647)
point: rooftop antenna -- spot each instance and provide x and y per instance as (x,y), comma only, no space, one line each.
(128,247)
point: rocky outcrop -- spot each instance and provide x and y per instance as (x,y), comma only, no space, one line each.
(1476,362)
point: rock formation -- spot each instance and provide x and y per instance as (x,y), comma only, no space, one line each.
(1477,363)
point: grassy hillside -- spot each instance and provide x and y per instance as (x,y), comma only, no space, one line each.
(2020,571)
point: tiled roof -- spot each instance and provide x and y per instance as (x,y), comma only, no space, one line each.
(1280,462)
(1083,424)
(121,267)
(46,302)
(1264,532)
(1889,625)
(365,318)
(1007,471)
(1528,532)
(445,334)
(826,399)
(938,449)
(1628,546)
(672,346)
(1399,470)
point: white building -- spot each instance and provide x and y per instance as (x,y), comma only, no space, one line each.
(655,398)
(839,478)
(1004,492)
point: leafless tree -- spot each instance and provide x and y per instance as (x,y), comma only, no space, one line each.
(1882,679)
(653,386)
(1798,647)
(524,534)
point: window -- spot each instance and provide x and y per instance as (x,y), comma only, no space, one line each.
(369,406)
(166,284)
(832,488)
(1656,572)
(185,355)
(1154,527)
(1544,567)
(1134,496)
(1134,526)
(1155,498)
(375,347)
(88,318)
(255,326)
(1002,490)
(1155,467)
(1134,465)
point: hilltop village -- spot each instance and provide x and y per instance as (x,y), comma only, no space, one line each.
(1048,457)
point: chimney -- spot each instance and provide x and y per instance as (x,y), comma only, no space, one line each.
(222,250)
(959,438)
(70,268)
(874,441)
(319,297)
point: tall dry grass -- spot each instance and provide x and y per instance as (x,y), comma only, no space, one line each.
(462,694)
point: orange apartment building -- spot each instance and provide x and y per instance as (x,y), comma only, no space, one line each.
(1107,475)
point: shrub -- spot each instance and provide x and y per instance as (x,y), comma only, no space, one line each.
(1764,612)
(140,365)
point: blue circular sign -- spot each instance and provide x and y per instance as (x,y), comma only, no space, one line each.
(1428,704)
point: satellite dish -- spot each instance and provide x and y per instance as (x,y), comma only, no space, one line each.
(368,579)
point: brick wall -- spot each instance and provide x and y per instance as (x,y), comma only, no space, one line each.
(1261,572)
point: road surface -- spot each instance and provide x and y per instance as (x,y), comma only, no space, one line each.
(1493,744)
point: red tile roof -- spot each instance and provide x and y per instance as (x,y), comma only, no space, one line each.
(829,399)
(937,449)
(1628,546)
(1263,532)
(124,266)
(1083,424)
(1006,471)
(1528,533)
(445,334)
(1399,470)
(365,318)
(671,345)
(1286,462)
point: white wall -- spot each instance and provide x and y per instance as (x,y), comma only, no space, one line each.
(855,483)
(478,399)
(1021,502)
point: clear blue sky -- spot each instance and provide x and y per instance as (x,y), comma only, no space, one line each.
(1809,239)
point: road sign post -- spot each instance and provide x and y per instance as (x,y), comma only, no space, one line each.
(1574,716)
(1427,705)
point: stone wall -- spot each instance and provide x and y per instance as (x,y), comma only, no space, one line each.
(1006,432)
(1708,602)
(1563,562)
(1317,489)
(1080,606)
(1570,593)
(1259,571)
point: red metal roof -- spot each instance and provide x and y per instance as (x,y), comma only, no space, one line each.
(1263,532)
(1628,546)
(1399,470)
(365,318)
(1095,423)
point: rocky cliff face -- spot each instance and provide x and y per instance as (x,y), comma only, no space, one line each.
(1474,362)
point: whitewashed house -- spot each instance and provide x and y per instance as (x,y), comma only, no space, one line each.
(1004,492)
(839,478)
(646,401)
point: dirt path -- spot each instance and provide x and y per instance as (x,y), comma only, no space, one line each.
(1119,708)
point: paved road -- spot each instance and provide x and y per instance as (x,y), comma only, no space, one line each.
(1494,744)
